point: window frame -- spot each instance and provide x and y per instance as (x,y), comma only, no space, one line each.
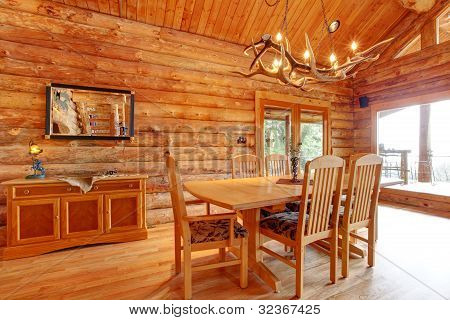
(296,105)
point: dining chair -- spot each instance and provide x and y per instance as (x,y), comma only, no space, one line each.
(246,166)
(361,202)
(277,165)
(316,220)
(194,201)
(205,232)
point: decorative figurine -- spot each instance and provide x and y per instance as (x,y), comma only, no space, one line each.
(39,172)
(123,129)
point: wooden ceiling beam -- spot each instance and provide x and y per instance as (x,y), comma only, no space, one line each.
(407,29)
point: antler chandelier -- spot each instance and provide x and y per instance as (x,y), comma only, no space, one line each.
(289,71)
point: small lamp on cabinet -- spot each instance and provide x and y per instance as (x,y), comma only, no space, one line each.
(38,171)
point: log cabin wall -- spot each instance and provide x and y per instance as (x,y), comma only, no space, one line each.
(419,77)
(187,99)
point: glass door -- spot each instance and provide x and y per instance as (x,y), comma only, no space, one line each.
(277,130)
(312,136)
(283,123)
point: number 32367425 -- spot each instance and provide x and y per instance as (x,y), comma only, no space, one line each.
(289,309)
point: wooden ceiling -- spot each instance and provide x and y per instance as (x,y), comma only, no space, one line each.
(240,21)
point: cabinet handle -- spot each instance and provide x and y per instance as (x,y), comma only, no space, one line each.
(57,217)
(130,185)
(69,189)
(26,191)
(95,187)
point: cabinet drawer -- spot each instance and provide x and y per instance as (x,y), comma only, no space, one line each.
(44,190)
(127,185)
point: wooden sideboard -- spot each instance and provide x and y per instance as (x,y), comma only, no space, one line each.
(47,214)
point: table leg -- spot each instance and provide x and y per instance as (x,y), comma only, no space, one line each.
(251,219)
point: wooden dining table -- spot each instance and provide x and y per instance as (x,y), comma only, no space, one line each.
(248,196)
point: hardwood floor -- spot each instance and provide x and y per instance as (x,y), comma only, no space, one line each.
(411,263)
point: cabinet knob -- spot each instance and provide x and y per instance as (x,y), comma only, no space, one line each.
(95,187)
(26,191)
(69,189)
(130,185)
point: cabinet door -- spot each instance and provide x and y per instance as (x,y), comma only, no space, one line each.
(123,211)
(81,216)
(34,221)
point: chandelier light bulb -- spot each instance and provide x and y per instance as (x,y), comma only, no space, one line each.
(276,63)
(332,58)
(306,55)
(279,37)
(354,45)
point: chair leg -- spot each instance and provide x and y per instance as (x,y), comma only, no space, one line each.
(299,268)
(333,256)
(222,254)
(177,250)
(244,263)
(345,253)
(371,244)
(187,270)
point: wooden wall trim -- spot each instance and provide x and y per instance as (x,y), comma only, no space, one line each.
(425,203)
(291,99)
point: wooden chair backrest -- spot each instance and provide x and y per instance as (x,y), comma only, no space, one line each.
(363,187)
(176,194)
(326,191)
(277,165)
(246,166)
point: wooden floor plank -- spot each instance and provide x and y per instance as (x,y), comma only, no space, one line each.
(411,264)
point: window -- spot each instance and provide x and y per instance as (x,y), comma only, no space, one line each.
(312,137)
(283,122)
(443,26)
(277,123)
(414,144)
(413,46)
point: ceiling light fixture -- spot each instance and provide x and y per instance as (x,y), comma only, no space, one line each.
(334,26)
(289,71)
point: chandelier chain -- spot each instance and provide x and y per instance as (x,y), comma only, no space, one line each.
(273,4)
(326,26)
(284,25)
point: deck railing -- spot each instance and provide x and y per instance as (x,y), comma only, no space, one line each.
(406,168)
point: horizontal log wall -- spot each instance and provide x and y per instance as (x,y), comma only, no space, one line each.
(187,99)
(404,81)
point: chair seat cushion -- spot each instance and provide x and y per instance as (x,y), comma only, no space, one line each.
(214,230)
(293,206)
(265,213)
(289,207)
(283,223)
